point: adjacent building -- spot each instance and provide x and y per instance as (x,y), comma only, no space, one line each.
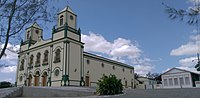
(179,78)
(61,61)
(145,83)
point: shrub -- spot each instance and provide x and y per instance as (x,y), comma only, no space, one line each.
(5,84)
(109,85)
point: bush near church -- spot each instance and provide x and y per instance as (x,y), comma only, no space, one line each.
(109,85)
(5,84)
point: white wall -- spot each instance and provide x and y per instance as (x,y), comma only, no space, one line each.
(94,70)
(176,74)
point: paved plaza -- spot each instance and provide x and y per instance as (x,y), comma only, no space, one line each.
(82,92)
(160,93)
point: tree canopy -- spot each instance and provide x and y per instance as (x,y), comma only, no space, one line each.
(15,14)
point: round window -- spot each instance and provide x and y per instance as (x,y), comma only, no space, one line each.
(71,17)
(56,72)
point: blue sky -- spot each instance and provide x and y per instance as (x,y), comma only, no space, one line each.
(136,32)
(143,21)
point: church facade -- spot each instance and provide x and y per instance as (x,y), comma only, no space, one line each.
(61,61)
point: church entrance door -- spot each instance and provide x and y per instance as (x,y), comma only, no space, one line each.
(44,79)
(36,82)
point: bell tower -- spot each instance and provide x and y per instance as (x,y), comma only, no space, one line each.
(34,32)
(67,16)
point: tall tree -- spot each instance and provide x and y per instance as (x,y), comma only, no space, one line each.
(152,75)
(15,14)
(191,16)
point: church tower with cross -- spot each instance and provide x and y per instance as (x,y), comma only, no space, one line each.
(61,60)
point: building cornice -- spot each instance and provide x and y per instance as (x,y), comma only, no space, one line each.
(52,43)
(107,60)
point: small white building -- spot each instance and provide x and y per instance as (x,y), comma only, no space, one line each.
(179,78)
(147,83)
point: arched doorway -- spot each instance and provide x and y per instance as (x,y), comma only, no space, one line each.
(44,79)
(36,82)
(30,80)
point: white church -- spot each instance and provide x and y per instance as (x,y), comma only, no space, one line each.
(61,61)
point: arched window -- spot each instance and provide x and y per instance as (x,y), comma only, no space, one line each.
(37,31)
(38,58)
(22,65)
(61,20)
(28,35)
(31,59)
(46,54)
(57,56)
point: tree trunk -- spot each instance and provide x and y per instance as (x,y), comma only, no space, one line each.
(8,30)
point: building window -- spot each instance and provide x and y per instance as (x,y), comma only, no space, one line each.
(165,82)
(175,81)
(102,65)
(187,81)
(71,17)
(57,56)
(123,69)
(131,71)
(28,33)
(37,31)
(61,20)
(113,67)
(88,61)
(37,63)
(31,59)
(22,65)
(181,81)
(46,54)
(20,78)
(170,82)
(56,73)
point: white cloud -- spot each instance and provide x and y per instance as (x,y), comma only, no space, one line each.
(11,56)
(96,43)
(194,1)
(8,79)
(142,69)
(188,62)
(120,49)
(191,48)
(8,69)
